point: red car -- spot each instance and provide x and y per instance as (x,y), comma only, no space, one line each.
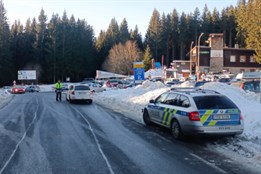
(18,89)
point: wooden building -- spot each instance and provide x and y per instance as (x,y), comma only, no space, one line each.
(217,58)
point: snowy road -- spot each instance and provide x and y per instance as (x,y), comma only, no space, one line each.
(40,135)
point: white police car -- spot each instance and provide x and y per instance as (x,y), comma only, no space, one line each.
(194,111)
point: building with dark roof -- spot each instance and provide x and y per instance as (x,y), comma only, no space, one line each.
(217,58)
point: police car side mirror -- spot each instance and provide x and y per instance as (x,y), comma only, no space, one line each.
(152,101)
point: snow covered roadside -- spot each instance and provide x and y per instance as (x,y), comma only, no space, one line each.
(130,101)
(245,147)
(5,97)
(47,88)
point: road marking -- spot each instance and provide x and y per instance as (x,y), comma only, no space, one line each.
(98,144)
(208,163)
(18,144)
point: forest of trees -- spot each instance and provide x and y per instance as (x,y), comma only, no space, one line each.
(67,47)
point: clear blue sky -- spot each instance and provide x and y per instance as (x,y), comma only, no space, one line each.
(98,13)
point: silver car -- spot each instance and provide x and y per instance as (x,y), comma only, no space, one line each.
(194,111)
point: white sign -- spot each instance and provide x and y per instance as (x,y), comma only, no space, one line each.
(27,75)
(216,53)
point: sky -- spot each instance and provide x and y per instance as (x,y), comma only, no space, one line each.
(98,13)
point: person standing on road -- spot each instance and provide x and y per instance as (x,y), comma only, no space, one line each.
(58,90)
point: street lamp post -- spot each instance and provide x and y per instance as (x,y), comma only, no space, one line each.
(190,57)
(198,55)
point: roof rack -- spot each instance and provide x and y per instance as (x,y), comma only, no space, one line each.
(193,90)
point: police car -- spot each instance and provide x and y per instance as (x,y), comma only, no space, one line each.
(194,111)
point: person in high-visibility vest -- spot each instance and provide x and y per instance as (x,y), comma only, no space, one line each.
(58,90)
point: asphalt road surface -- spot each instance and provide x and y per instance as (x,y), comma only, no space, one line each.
(39,135)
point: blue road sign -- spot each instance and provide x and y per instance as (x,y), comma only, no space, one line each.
(139,74)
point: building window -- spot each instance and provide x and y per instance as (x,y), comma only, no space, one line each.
(232,58)
(242,70)
(252,70)
(252,59)
(242,58)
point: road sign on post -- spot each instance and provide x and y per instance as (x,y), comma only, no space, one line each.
(138,68)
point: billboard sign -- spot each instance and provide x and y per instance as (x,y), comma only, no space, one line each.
(138,71)
(26,75)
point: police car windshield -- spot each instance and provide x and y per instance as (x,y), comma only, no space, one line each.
(213,102)
(82,88)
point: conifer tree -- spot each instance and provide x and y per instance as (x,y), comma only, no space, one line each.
(153,34)
(124,31)
(136,36)
(6,62)
(147,58)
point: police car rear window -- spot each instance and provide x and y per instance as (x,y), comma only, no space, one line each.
(213,102)
(82,88)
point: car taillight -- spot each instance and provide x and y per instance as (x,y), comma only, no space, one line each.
(242,86)
(73,93)
(194,116)
(241,116)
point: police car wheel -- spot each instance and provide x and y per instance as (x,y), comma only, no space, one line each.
(146,118)
(176,130)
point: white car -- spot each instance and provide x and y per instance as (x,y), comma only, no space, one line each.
(96,87)
(79,92)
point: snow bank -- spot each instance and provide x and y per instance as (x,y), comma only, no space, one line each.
(131,100)
(153,73)
(47,88)
(5,97)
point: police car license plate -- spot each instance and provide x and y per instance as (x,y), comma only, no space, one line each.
(224,128)
(221,117)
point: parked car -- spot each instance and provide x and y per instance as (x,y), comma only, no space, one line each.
(194,111)
(248,85)
(157,79)
(95,87)
(32,88)
(224,80)
(79,92)
(193,84)
(113,83)
(18,89)
(88,80)
(173,82)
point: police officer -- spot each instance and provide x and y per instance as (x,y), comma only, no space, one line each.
(58,90)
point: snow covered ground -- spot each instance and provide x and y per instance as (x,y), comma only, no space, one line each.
(245,147)
(5,97)
(130,102)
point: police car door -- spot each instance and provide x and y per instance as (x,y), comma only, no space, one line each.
(156,107)
(169,110)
